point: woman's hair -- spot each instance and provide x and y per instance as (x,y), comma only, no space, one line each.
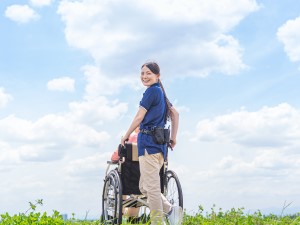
(154,68)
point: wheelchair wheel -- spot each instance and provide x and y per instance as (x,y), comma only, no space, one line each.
(112,199)
(172,188)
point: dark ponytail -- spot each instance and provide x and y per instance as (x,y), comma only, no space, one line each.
(168,103)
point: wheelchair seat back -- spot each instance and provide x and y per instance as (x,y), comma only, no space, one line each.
(130,169)
(131,152)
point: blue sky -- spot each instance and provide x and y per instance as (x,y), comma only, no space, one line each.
(69,88)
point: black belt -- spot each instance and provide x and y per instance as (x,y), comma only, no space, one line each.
(144,131)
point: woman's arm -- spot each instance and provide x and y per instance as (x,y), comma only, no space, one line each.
(134,124)
(174,125)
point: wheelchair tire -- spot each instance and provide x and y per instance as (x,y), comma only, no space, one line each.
(112,199)
(172,188)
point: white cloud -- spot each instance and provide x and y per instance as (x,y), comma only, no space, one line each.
(268,163)
(41,3)
(95,108)
(100,39)
(64,130)
(14,129)
(49,138)
(55,142)
(220,54)
(21,13)
(266,168)
(88,166)
(8,157)
(238,178)
(95,111)
(4,98)
(61,84)
(41,152)
(225,14)
(99,84)
(119,43)
(269,127)
(289,35)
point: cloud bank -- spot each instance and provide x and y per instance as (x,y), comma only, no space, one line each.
(194,35)
(269,127)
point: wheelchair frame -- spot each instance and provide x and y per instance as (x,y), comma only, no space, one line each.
(112,200)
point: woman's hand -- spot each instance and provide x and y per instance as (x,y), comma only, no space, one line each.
(172,143)
(124,139)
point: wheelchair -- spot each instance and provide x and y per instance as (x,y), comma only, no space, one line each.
(124,180)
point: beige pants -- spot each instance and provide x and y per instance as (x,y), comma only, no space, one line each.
(149,185)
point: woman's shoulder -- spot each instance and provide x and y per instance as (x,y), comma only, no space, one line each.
(153,90)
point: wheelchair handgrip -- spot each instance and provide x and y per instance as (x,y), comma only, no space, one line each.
(122,151)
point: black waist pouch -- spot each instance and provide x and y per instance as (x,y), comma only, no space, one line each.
(161,135)
(167,135)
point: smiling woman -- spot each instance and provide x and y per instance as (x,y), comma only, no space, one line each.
(152,114)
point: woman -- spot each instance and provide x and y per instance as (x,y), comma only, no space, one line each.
(154,110)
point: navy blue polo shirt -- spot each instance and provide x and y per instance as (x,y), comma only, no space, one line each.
(154,102)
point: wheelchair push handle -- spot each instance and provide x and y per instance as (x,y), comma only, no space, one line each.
(122,151)
(169,145)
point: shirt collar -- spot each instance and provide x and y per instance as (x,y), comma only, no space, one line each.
(155,85)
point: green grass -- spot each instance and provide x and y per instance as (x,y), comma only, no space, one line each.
(214,217)
(238,217)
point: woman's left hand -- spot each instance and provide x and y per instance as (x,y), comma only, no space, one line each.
(173,143)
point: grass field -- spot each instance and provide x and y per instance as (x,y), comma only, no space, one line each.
(213,217)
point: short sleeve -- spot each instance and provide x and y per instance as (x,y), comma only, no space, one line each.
(149,98)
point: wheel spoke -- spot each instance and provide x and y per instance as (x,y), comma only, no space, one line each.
(112,210)
(173,189)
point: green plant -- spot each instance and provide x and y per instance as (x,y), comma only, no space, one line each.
(214,217)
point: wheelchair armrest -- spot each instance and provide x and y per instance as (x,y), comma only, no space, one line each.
(112,162)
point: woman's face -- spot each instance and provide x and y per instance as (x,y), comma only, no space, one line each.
(147,77)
